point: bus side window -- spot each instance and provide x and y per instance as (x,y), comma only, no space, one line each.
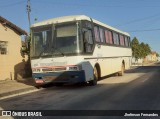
(115,38)
(96,32)
(121,40)
(101,31)
(108,36)
(88,40)
(126,41)
(129,42)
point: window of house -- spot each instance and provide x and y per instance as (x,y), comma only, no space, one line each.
(101,31)
(96,32)
(3,47)
(115,38)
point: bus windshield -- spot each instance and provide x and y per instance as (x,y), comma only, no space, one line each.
(57,40)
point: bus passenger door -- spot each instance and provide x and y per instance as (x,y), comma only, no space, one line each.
(88,41)
(88,46)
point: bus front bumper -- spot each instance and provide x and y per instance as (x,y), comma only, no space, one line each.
(59,77)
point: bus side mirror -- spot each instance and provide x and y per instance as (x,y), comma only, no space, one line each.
(25,46)
(24,50)
(98,45)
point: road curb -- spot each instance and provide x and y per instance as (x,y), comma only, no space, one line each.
(17,92)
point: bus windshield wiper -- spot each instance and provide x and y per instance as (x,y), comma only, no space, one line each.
(42,52)
(56,49)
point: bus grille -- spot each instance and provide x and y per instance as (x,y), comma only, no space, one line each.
(47,69)
(53,69)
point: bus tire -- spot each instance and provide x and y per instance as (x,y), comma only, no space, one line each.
(121,73)
(59,84)
(38,87)
(96,76)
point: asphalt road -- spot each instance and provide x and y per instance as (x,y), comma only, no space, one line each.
(138,89)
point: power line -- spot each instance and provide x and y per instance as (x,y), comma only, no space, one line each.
(12,4)
(145,30)
(138,20)
(91,5)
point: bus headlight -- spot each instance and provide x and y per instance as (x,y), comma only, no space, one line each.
(75,68)
(36,70)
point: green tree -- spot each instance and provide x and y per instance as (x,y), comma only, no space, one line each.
(135,48)
(148,49)
(144,50)
(139,50)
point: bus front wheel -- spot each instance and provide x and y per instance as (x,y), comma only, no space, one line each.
(94,81)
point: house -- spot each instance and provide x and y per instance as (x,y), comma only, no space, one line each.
(11,61)
(152,57)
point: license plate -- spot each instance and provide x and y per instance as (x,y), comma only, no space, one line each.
(39,81)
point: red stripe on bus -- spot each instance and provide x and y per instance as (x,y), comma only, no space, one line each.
(55,66)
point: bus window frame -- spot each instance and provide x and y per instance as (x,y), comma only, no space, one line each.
(81,26)
(37,29)
(116,41)
(102,41)
(112,31)
(85,26)
(110,39)
(98,33)
(123,37)
(55,25)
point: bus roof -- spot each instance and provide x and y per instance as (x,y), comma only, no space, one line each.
(75,18)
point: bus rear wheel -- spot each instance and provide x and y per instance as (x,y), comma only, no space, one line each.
(121,73)
(94,81)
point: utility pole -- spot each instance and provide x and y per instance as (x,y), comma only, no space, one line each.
(28,11)
(28,38)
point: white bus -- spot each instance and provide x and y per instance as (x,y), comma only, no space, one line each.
(73,49)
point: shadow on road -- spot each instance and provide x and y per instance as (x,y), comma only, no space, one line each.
(140,69)
(133,95)
(144,69)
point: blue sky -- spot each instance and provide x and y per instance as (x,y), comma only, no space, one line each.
(140,18)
